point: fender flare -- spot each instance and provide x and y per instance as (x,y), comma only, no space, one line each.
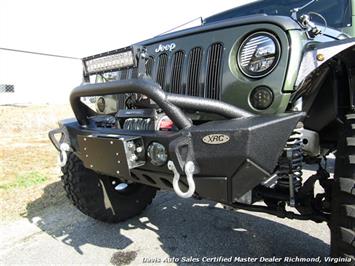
(317,54)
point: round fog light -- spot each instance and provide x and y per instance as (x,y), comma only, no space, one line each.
(261,98)
(157,154)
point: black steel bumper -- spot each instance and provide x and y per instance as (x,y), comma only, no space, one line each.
(225,171)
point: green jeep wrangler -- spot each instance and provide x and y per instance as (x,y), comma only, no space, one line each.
(230,111)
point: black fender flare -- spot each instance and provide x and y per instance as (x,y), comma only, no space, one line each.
(331,67)
(317,54)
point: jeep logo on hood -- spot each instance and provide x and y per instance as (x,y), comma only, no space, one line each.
(165,48)
(216,139)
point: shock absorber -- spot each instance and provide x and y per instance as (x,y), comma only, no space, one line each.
(290,165)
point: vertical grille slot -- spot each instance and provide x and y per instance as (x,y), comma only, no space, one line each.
(178,60)
(134,73)
(124,74)
(149,66)
(122,97)
(163,60)
(195,60)
(213,79)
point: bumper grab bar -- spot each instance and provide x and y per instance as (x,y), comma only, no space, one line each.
(145,87)
(170,103)
(207,105)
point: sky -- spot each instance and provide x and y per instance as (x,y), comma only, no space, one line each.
(80,28)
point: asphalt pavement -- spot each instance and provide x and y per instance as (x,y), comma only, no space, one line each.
(171,230)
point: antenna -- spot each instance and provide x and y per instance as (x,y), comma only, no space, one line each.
(199,18)
(294,11)
(38,53)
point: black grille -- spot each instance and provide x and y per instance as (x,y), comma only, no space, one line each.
(176,86)
(170,71)
(162,63)
(195,60)
(199,75)
(213,78)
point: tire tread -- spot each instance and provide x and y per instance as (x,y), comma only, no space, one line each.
(342,222)
(74,179)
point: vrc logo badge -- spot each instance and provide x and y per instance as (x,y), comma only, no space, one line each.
(216,139)
(165,48)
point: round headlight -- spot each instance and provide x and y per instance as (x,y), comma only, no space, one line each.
(259,54)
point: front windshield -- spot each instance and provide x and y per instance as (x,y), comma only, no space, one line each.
(336,12)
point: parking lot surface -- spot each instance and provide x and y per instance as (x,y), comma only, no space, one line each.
(170,230)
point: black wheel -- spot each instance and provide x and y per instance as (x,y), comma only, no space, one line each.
(342,224)
(96,196)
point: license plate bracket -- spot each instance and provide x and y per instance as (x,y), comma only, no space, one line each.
(108,154)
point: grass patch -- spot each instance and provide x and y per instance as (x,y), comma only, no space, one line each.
(25,180)
(28,168)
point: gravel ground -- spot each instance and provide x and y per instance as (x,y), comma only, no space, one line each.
(170,228)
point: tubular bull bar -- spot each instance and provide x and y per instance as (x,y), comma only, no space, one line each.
(168,102)
(246,154)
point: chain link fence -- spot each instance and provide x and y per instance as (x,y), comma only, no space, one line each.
(5,88)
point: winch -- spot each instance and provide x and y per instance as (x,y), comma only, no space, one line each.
(144,119)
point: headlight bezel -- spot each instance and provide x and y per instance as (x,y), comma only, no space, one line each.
(246,40)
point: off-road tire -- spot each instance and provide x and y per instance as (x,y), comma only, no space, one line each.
(342,224)
(95,195)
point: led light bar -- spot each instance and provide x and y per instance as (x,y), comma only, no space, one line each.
(110,61)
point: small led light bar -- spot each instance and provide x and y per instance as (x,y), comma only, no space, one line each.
(110,61)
